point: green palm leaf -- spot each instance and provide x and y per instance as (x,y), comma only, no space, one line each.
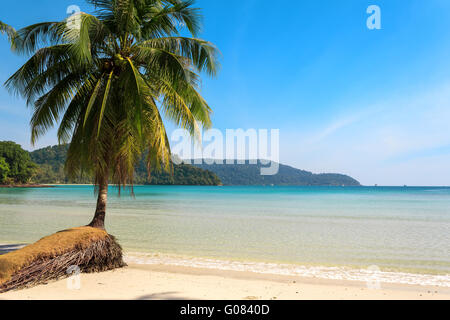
(9,31)
(105,100)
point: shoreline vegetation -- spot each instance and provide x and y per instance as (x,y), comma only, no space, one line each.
(51,160)
(48,168)
(26,186)
(19,168)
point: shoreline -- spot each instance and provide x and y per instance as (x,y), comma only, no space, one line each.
(159,278)
(305,272)
(27,186)
(164,282)
(371,274)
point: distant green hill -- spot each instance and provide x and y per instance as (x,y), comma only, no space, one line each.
(247,174)
(51,170)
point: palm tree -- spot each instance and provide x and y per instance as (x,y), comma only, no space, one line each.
(4,28)
(108,79)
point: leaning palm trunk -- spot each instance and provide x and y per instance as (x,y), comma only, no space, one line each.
(100,211)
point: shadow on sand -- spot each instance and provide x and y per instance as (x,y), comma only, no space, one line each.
(162,296)
(5,248)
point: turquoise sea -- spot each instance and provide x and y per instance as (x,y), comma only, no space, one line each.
(331,232)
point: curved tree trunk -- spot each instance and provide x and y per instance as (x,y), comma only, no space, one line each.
(100,212)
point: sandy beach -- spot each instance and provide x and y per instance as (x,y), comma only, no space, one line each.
(160,282)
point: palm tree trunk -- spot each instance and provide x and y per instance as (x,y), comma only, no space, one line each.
(100,212)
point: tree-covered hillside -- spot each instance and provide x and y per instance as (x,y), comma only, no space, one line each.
(16,166)
(247,174)
(51,170)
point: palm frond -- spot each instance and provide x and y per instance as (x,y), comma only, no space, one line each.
(202,54)
(29,39)
(9,31)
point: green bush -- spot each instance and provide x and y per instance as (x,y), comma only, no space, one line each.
(4,170)
(15,164)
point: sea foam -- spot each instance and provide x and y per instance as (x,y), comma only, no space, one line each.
(321,272)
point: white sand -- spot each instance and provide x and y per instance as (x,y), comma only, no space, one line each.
(168,282)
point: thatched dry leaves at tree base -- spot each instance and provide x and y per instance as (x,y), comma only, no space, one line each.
(91,249)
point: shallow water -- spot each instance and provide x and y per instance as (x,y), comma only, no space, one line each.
(397,229)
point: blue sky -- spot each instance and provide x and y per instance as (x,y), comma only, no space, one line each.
(374,104)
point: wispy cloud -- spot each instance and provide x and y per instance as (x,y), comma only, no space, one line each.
(333,128)
(387,142)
